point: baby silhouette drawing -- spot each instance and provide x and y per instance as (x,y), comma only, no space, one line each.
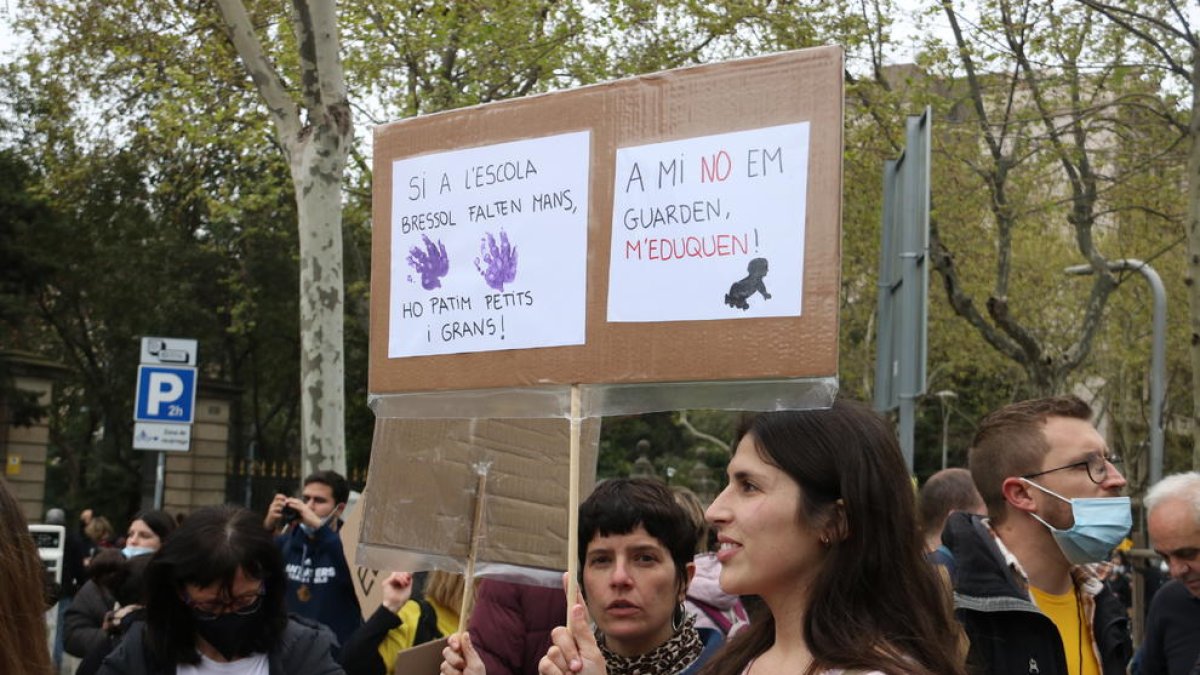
(742,289)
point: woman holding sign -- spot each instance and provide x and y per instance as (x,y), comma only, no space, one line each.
(818,521)
(635,551)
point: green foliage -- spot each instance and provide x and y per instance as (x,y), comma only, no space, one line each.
(144,194)
(21,213)
(674,453)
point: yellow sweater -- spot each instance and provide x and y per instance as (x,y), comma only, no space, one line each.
(401,637)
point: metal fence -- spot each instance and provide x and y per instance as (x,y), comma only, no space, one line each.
(254,483)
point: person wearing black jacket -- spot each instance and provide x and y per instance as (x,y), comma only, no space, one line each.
(402,622)
(1171,645)
(1008,633)
(215,601)
(1028,587)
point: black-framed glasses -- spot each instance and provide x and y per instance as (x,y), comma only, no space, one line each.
(211,609)
(1097,467)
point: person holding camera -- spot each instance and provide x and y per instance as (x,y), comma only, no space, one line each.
(319,583)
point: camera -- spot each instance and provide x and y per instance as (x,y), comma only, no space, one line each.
(289,515)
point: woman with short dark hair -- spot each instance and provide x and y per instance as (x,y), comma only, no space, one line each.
(635,553)
(214,596)
(636,545)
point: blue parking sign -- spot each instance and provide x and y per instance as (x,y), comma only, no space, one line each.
(165,394)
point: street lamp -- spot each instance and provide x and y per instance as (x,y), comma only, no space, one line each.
(943,396)
(1157,352)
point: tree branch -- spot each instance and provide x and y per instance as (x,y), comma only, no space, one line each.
(1112,12)
(960,302)
(322,15)
(1117,15)
(306,52)
(240,32)
(1102,288)
(682,418)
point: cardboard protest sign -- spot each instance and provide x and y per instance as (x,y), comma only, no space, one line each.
(421,481)
(423,659)
(680,227)
(368,583)
(749,158)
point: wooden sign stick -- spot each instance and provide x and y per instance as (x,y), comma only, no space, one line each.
(573,502)
(468,599)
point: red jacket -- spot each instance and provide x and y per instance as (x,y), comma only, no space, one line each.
(511,623)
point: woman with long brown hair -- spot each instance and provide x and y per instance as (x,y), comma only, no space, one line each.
(23,647)
(818,520)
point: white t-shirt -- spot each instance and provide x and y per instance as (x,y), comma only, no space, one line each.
(255,664)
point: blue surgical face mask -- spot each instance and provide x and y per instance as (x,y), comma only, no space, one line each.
(1101,524)
(134,551)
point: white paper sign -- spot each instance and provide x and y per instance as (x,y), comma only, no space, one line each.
(162,436)
(710,228)
(489,248)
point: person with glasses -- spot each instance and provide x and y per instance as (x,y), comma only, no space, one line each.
(215,604)
(1028,589)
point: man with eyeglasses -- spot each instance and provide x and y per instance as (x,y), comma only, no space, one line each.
(1172,641)
(1028,590)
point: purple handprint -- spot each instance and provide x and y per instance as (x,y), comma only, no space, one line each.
(499,263)
(432,263)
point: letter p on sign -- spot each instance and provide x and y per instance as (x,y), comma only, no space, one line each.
(164,388)
(165,394)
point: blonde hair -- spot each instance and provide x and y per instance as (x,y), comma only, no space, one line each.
(98,529)
(445,588)
(695,511)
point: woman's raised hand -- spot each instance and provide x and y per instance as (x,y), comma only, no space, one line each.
(573,650)
(397,589)
(460,658)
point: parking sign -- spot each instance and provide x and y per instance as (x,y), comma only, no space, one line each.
(165,394)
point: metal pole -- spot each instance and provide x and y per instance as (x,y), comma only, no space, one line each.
(249,498)
(908,410)
(942,396)
(160,477)
(945,440)
(1157,353)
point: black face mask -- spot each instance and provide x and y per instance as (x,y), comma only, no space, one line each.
(232,634)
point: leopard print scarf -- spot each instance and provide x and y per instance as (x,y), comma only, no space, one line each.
(672,656)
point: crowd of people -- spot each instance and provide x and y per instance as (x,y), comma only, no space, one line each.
(815,559)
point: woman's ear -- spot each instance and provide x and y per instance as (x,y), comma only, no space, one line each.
(837,528)
(689,574)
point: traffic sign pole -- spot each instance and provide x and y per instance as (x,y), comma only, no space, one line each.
(165,403)
(160,479)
